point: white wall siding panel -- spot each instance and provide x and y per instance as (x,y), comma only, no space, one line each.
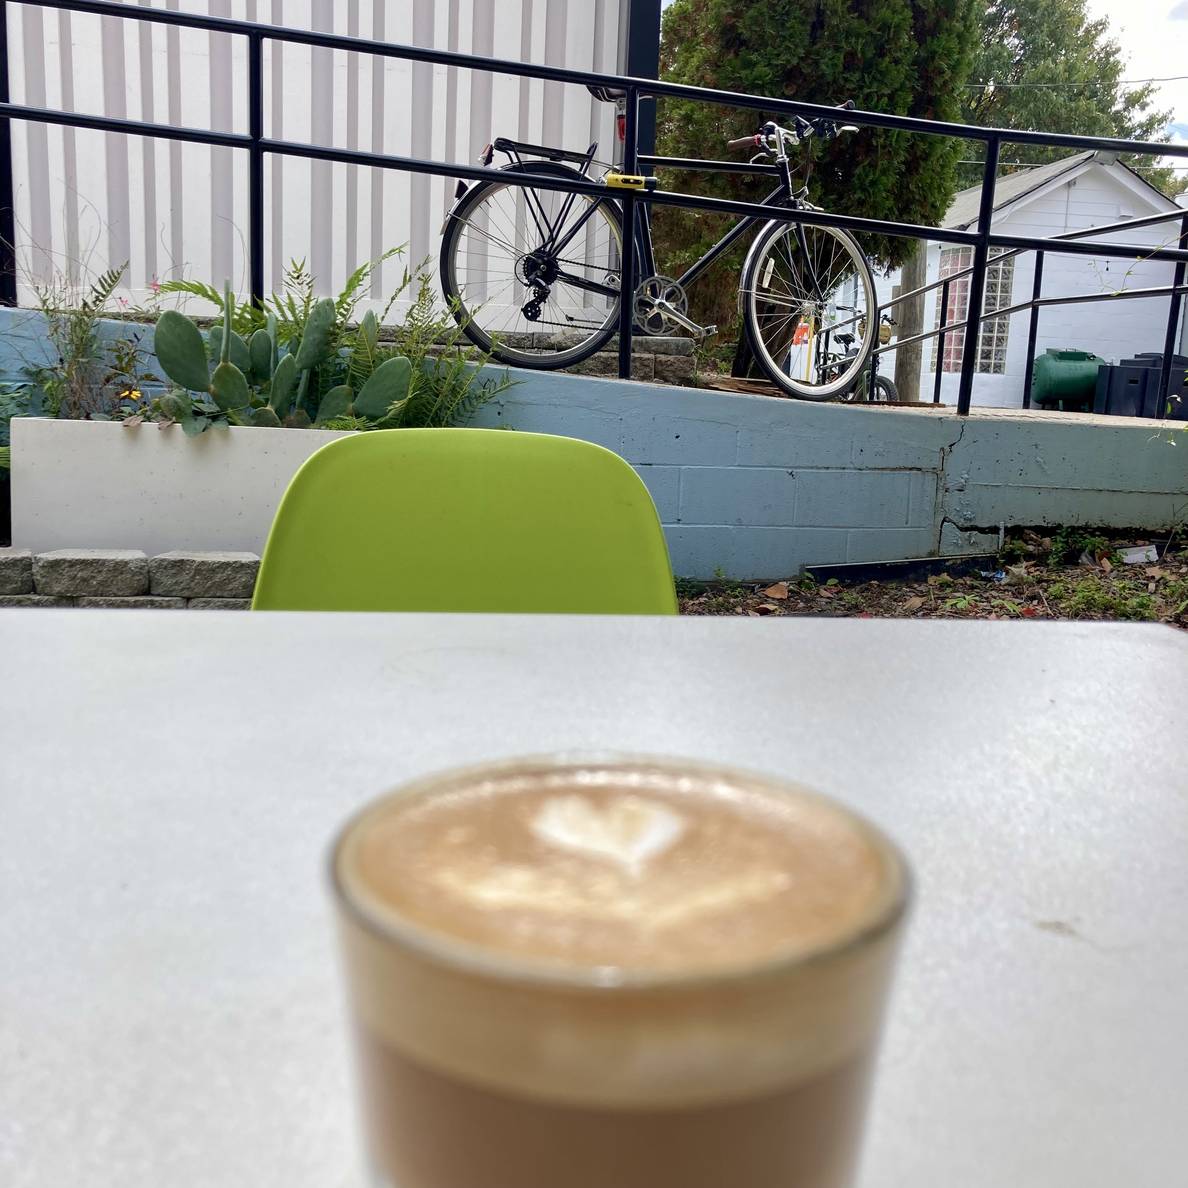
(86,200)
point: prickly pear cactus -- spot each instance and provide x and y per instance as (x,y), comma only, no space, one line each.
(387,385)
(179,348)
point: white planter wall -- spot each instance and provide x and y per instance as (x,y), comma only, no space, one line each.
(99,485)
(89,200)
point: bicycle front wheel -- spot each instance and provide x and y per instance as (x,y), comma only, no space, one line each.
(809,309)
(532,276)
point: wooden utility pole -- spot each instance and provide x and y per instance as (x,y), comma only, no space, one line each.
(910,318)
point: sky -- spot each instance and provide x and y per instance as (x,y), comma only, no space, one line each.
(1153,35)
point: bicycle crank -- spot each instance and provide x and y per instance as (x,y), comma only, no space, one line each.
(662,306)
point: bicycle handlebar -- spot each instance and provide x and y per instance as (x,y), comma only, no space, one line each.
(803,130)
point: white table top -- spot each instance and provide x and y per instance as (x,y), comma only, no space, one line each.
(170,1012)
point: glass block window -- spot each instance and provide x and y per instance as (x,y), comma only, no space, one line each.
(992,341)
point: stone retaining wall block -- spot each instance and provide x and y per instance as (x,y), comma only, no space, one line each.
(16,571)
(144,602)
(106,572)
(181,574)
(33,600)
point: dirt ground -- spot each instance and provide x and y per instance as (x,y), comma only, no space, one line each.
(1062,574)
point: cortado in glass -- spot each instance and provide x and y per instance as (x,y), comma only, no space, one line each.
(615,973)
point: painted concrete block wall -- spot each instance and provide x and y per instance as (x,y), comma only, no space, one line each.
(757,488)
(750,486)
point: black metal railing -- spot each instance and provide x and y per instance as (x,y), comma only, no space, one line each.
(258,146)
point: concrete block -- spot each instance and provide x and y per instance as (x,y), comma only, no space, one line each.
(889,544)
(111,572)
(763,553)
(33,600)
(786,446)
(587,424)
(675,369)
(988,505)
(606,363)
(668,439)
(954,541)
(699,552)
(664,483)
(752,496)
(145,602)
(897,438)
(859,498)
(16,571)
(661,345)
(182,574)
(235,604)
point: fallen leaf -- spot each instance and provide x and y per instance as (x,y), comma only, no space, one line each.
(1153,571)
(751,614)
(826,592)
(1028,612)
(913,604)
(779,590)
(766,608)
(1105,564)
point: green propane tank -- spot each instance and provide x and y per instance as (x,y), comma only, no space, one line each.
(1065,379)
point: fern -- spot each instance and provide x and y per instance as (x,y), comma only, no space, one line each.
(100,292)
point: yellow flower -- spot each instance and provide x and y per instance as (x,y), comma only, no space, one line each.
(130,394)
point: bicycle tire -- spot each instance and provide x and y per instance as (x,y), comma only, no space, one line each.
(456,223)
(749,299)
(885,390)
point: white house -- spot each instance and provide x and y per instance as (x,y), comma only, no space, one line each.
(1086,190)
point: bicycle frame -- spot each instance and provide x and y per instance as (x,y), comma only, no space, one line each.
(781,198)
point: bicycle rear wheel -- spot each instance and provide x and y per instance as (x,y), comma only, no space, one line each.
(809,308)
(515,293)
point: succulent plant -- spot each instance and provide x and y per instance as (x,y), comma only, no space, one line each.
(253,383)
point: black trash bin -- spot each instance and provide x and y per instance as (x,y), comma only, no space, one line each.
(1131,388)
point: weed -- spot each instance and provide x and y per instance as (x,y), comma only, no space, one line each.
(1091,598)
(1012,552)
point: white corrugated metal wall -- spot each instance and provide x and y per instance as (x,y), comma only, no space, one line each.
(89,199)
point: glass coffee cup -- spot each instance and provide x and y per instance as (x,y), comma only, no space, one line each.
(624,972)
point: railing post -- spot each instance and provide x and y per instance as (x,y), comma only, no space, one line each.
(1173,324)
(256,167)
(977,280)
(1037,284)
(940,341)
(8,277)
(627,270)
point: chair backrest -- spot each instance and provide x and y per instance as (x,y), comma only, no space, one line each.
(466,520)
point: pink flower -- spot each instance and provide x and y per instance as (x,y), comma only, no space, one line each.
(155,285)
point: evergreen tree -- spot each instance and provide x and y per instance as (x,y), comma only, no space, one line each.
(1051,67)
(910,57)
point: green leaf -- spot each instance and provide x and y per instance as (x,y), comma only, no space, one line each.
(335,403)
(192,426)
(284,382)
(388,385)
(316,339)
(178,345)
(266,418)
(229,387)
(260,348)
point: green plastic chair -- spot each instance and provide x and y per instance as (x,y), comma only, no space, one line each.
(466,520)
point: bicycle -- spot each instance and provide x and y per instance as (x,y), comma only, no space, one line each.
(532,276)
(884,390)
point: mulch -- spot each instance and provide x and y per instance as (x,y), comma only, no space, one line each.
(1071,574)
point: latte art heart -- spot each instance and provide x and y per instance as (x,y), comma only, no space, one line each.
(628,830)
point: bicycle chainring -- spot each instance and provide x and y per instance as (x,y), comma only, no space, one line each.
(651,297)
